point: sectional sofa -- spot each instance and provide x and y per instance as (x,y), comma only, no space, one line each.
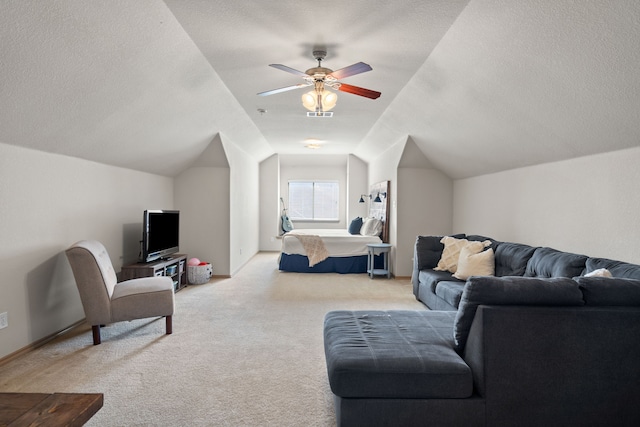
(440,290)
(517,350)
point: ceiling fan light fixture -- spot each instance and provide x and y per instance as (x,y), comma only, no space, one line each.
(309,100)
(327,100)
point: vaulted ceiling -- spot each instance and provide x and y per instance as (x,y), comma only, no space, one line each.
(480,86)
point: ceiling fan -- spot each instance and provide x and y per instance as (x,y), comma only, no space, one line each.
(320,100)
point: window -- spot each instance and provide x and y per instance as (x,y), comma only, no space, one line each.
(313,200)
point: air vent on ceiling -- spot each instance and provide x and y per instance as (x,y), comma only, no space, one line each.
(319,113)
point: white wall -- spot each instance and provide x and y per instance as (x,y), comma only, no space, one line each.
(310,172)
(425,208)
(385,168)
(48,202)
(202,196)
(244,206)
(270,207)
(357,177)
(275,174)
(588,205)
(421,201)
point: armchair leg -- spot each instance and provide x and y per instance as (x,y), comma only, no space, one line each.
(169,322)
(96,334)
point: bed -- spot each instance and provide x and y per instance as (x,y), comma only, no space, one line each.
(336,250)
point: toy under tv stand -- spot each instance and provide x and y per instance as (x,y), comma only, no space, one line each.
(174,266)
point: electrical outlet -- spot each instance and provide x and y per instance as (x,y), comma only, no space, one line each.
(4,320)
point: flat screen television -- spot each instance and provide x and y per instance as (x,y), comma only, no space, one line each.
(160,234)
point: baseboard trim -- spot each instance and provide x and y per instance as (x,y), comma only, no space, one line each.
(42,341)
(403,277)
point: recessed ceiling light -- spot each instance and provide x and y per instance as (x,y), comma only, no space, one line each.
(313,143)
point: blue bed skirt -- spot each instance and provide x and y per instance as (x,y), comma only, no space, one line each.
(343,265)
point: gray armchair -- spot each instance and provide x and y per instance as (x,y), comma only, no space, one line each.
(106,301)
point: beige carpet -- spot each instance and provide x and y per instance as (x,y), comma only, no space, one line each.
(245,351)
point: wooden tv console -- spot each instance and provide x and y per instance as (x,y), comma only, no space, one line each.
(174,267)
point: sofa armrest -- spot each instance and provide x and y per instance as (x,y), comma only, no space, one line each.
(416,271)
(426,254)
(544,364)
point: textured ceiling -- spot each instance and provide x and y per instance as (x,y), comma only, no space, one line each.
(480,86)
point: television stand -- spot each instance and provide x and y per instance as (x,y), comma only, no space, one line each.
(174,267)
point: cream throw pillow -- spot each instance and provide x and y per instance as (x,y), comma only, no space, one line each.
(451,254)
(601,272)
(475,263)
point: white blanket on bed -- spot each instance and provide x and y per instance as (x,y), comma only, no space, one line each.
(314,248)
(338,242)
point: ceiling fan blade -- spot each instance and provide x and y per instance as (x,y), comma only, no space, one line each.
(351,70)
(283,89)
(367,93)
(288,69)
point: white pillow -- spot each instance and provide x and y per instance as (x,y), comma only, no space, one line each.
(601,272)
(371,227)
(452,247)
(474,263)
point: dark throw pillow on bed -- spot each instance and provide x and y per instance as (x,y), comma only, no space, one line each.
(355,226)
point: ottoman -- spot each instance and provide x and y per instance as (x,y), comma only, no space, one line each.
(393,367)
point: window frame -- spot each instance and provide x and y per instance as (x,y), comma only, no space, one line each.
(313,182)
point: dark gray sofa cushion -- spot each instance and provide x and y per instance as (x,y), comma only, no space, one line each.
(434,302)
(610,291)
(549,262)
(450,291)
(428,250)
(394,354)
(432,277)
(511,290)
(512,258)
(616,268)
